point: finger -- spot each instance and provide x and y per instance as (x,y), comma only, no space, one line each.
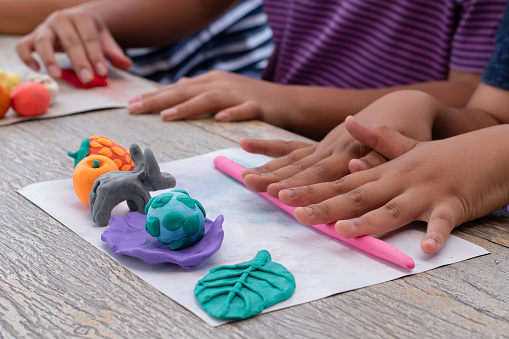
(350,203)
(204,102)
(43,44)
(24,48)
(86,28)
(272,148)
(245,111)
(394,214)
(382,139)
(258,178)
(440,225)
(371,160)
(165,99)
(113,52)
(72,44)
(313,194)
(150,95)
(314,170)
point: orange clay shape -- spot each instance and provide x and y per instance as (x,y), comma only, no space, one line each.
(98,144)
(5,101)
(87,171)
(30,99)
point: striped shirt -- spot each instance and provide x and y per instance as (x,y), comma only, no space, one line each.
(496,72)
(379,43)
(239,41)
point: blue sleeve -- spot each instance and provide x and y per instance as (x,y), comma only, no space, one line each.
(496,72)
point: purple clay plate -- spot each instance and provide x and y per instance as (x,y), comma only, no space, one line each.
(127,236)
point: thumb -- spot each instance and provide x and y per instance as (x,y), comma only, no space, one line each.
(386,141)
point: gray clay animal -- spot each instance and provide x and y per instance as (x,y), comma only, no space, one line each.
(112,188)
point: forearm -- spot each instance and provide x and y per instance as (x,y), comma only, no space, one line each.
(487,107)
(22,16)
(144,23)
(322,108)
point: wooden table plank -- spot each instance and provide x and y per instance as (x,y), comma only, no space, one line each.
(55,284)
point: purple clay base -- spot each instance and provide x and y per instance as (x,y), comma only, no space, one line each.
(128,236)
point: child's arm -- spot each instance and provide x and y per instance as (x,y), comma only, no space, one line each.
(306,110)
(444,183)
(22,16)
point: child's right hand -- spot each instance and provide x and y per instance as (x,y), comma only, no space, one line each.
(444,183)
(82,35)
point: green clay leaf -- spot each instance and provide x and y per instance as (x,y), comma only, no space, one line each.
(243,290)
(81,153)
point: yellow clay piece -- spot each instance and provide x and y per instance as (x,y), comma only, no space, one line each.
(9,80)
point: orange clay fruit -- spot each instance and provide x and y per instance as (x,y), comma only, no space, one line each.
(30,99)
(98,144)
(87,171)
(5,101)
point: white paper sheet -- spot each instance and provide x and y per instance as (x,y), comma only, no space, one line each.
(322,266)
(122,86)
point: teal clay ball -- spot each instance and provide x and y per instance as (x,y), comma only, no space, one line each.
(175,219)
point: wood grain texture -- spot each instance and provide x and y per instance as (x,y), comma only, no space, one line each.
(54,284)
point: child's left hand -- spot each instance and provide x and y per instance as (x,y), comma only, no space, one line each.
(231,97)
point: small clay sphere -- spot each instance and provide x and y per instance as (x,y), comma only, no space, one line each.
(30,99)
(175,219)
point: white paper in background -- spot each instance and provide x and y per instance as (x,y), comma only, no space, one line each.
(322,266)
(122,86)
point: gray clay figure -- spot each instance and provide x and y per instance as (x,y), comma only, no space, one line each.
(111,188)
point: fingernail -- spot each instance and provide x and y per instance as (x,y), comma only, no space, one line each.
(222,116)
(135,107)
(290,193)
(431,241)
(33,65)
(169,114)
(85,76)
(136,98)
(350,223)
(54,71)
(101,69)
(309,210)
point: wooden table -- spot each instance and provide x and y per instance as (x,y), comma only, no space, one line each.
(53,284)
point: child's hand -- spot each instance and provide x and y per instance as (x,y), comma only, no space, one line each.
(79,33)
(338,154)
(231,97)
(444,182)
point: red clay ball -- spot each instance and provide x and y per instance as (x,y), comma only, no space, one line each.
(30,99)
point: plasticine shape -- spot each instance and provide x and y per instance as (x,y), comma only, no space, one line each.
(99,144)
(111,188)
(127,236)
(175,219)
(243,290)
(69,76)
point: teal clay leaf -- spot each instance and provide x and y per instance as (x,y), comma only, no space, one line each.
(243,290)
